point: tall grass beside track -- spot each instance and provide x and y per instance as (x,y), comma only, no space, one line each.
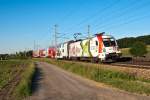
(112,77)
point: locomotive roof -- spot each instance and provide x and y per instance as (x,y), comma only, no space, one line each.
(72,41)
(67,42)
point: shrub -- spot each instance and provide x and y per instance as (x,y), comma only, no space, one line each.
(138,49)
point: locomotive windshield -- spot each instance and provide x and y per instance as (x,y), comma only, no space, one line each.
(109,42)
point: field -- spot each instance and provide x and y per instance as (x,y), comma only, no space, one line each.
(15,78)
(125,52)
(125,80)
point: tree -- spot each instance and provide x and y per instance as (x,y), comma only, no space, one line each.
(128,41)
(4,56)
(29,54)
(138,49)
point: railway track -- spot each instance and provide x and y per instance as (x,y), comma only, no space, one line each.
(130,65)
(123,64)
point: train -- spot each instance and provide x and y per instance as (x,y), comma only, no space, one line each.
(99,48)
(42,53)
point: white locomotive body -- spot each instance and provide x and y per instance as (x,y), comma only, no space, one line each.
(98,48)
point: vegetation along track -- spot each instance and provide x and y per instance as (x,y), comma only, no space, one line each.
(130,79)
(139,71)
(47,85)
(128,64)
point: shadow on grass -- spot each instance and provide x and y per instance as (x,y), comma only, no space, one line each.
(36,79)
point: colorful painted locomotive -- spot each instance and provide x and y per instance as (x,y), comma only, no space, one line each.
(99,48)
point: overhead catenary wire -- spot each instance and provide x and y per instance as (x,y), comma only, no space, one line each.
(90,16)
(72,12)
(65,34)
(121,15)
(95,14)
(129,21)
(117,17)
(107,20)
(133,2)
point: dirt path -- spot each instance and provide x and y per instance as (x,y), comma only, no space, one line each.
(53,83)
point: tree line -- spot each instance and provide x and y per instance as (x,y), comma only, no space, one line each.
(17,55)
(129,41)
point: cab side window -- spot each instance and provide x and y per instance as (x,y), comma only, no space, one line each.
(96,42)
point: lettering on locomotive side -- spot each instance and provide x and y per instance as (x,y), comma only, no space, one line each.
(86,48)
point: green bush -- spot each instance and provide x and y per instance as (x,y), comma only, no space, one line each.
(138,49)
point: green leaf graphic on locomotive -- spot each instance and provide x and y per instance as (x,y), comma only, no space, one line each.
(86,48)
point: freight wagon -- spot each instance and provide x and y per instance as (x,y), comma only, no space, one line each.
(98,48)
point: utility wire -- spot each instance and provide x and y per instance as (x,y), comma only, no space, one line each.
(66,34)
(129,21)
(105,8)
(114,13)
(106,25)
(120,16)
(72,12)
(97,13)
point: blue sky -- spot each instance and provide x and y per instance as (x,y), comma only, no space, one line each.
(24,21)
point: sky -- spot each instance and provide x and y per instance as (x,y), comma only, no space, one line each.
(24,23)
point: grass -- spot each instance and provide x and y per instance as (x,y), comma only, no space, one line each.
(113,78)
(125,51)
(9,69)
(148,48)
(23,89)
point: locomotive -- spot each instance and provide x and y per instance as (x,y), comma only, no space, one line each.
(103,48)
